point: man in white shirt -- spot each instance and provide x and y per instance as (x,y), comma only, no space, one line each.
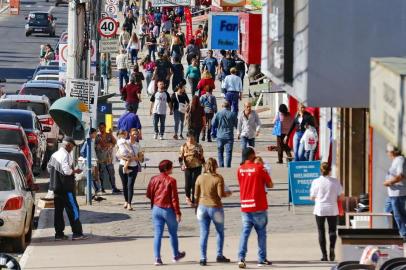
(233,86)
(62,176)
(122,67)
(159,102)
(395,181)
(248,126)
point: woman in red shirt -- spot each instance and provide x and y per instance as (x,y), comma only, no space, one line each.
(163,193)
(207,82)
(131,93)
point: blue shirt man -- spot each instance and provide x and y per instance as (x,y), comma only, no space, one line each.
(233,86)
(210,63)
(225,122)
(128,121)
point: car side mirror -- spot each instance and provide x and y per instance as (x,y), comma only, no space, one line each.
(46,129)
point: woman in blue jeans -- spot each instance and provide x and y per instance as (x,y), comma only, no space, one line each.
(180,102)
(299,125)
(129,158)
(209,190)
(163,193)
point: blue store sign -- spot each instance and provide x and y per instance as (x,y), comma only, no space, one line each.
(224,32)
(301,176)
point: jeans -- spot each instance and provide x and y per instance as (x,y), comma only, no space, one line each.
(148,77)
(245,142)
(107,172)
(105,81)
(309,155)
(128,181)
(258,220)
(399,213)
(282,147)
(191,175)
(66,201)
(332,232)
(160,216)
(298,148)
(179,121)
(159,118)
(206,215)
(133,55)
(232,98)
(151,53)
(228,145)
(123,76)
(193,85)
(196,132)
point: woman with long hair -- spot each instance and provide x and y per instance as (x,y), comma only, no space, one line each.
(283,116)
(209,190)
(149,67)
(133,47)
(180,102)
(205,83)
(302,118)
(163,193)
(196,117)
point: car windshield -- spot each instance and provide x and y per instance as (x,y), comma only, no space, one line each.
(19,158)
(11,137)
(38,108)
(52,93)
(46,78)
(23,119)
(6,181)
(38,16)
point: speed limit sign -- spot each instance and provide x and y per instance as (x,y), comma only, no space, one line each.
(107,27)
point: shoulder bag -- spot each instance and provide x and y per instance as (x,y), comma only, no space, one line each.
(277,128)
(182,106)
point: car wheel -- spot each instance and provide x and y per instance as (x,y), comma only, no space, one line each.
(56,4)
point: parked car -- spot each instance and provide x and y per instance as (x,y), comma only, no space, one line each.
(40,105)
(14,134)
(34,131)
(16,204)
(14,153)
(45,67)
(40,22)
(53,63)
(51,89)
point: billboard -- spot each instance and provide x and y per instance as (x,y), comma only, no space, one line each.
(223,31)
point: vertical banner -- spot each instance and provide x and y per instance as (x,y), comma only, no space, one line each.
(188,18)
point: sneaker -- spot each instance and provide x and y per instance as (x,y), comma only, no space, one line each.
(175,137)
(242,264)
(203,138)
(181,137)
(116,190)
(155,136)
(209,140)
(61,237)
(179,257)
(161,137)
(203,262)
(80,237)
(158,262)
(222,259)
(264,263)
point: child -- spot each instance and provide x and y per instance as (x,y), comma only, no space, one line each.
(209,103)
(309,140)
(124,150)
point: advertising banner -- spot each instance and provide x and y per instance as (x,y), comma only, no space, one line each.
(223,31)
(171,3)
(301,176)
(189,29)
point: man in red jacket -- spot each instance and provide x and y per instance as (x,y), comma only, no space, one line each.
(253,180)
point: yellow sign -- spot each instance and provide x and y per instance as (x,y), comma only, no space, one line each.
(82,107)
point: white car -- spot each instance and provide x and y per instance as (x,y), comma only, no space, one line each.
(16,206)
(47,77)
(40,105)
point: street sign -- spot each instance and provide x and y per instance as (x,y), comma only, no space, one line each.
(301,176)
(107,27)
(63,57)
(112,10)
(80,89)
(112,2)
(109,45)
(104,14)
(223,31)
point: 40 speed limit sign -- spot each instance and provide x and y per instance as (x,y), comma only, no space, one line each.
(107,27)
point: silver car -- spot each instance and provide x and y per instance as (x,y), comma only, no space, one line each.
(16,206)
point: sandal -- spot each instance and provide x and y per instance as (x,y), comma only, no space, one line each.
(189,202)
(125,205)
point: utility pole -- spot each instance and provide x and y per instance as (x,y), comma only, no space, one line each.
(76,17)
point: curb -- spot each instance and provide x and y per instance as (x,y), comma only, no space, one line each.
(4,9)
(42,224)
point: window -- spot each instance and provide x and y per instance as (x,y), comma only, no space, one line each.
(25,120)
(38,108)
(6,181)
(17,157)
(52,93)
(11,137)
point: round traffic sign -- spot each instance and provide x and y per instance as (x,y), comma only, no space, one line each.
(104,14)
(107,27)
(64,53)
(111,2)
(111,10)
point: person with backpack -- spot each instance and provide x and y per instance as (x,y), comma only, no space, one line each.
(209,103)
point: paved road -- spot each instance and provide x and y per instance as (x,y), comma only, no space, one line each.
(18,53)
